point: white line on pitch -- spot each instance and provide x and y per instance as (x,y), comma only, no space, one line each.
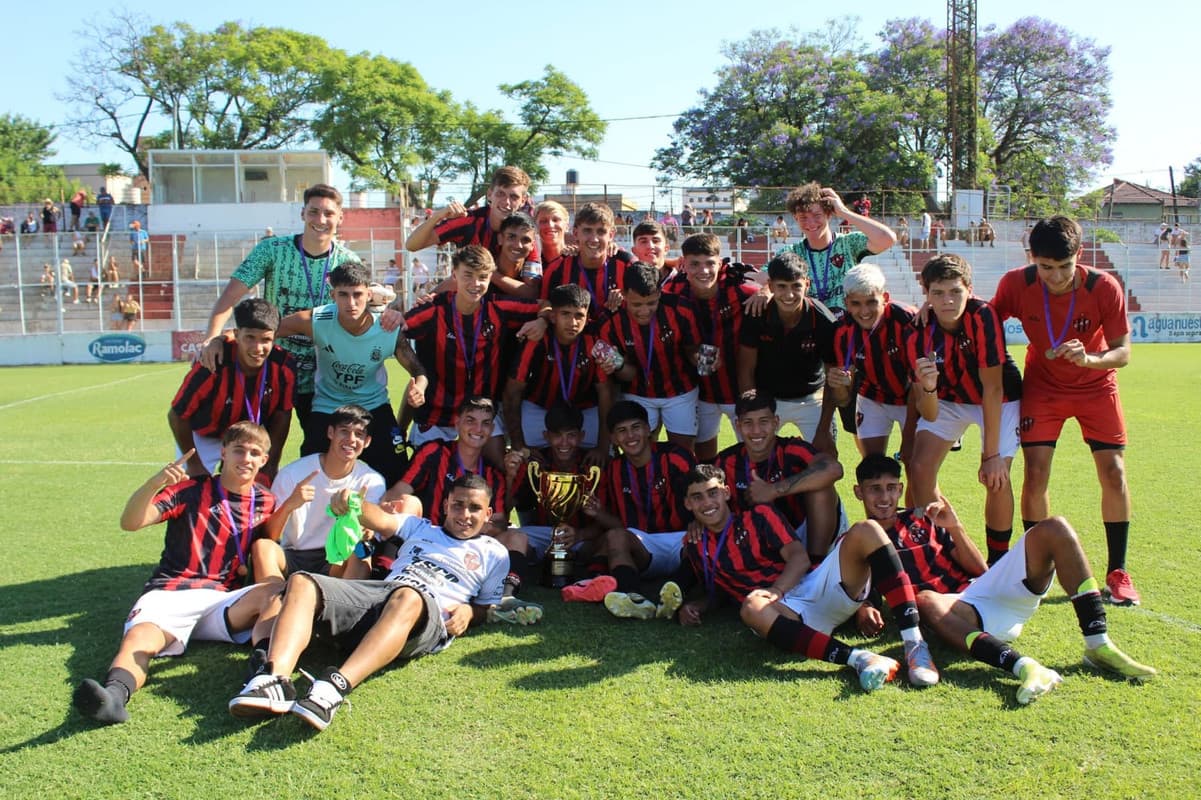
(1168,618)
(39,398)
(82,463)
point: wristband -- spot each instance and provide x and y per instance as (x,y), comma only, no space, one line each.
(985,459)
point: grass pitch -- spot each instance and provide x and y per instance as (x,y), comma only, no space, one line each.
(583,705)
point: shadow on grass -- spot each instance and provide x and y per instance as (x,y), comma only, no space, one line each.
(95,604)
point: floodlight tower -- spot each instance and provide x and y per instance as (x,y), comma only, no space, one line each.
(962,87)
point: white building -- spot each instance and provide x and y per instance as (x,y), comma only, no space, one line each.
(722,201)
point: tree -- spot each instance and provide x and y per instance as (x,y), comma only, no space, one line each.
(384,124)
(24,146)
(555,120)
(1045,94)
(1190,186)
(788,110)
(233,88)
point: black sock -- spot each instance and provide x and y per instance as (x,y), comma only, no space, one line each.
(797,637)
(992,651)
(263,644)
(627,578)
(519,566)
(121,684)
(1090,613)
(1027,524)
(998,543)
(1116,536)
(894,586)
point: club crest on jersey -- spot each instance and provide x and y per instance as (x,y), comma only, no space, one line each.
(488,330)
(472,562)
(133,613)
(918,533)
(1082,324)
(377,354)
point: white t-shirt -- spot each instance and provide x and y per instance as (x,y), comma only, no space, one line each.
(308,526)
(452,570)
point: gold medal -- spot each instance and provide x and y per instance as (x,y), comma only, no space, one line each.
(1050,353)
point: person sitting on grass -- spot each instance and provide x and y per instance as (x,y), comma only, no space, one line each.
(192,593)
(981,611)
(296,534)
(254,381)
(754,558)
(444,579)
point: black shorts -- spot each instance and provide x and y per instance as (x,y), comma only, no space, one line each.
(306,560)
(350,608)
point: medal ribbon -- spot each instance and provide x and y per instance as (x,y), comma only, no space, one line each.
(241,537)
(592,288)
(710,566)
(568,386)
(820,284)
(1067,322)
(314,296)
(252,413)
(632,479)
(469,353)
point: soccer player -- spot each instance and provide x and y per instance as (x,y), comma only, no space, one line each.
(445,578)
(192,593)
(828,254)
(783,471)
(551,218)
(717,295)
(651,246)
(296,533)
(559,368)
(515,273)
(1075,319)
(870,350)
(657,337)
(293,270)
(786,351)
(981,612)
(753,558)
(964,376)
(351,347)
(593,266)
(460,339)
(254,381)
(640,512)
(454,224)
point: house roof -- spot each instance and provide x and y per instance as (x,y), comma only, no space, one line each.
(1125,193)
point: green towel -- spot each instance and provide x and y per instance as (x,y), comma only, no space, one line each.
(345,532)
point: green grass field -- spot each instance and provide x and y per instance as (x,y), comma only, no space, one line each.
(582,705)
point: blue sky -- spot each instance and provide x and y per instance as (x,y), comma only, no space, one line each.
(635,60)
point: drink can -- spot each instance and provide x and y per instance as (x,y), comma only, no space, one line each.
(605,353)
(706,359)
(531,269)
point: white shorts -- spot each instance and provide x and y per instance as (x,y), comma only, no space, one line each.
(533,425)
(1000,595)
(819,598)
(188,614)
(208,449)
(954,419)
(708,420)
(446,433)
(804,414)
(874,419)
(678,413)
(538,537)
(664,549)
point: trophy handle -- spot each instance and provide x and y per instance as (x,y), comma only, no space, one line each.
(535,474)
(593,480)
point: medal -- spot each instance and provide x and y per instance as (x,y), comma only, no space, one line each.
(1067,321)
(1050,353)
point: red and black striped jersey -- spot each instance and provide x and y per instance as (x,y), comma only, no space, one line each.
(791,361)
(979,343)
(209,531)
(656,350)
(744,556)
(648,497)
(719,319)
(435,467)
(1094,312)
(599,282)
(557,373)
(463,355)
(212,401)
(474,228)
(925,552)
(878,356)
(789,456)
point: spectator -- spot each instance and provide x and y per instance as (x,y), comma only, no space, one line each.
(104,202)
(50,215)
(77,202)
(672,225)
(112,275)
(66,280)
(47,281)
(92,223)
(30,225)
(862,206)
(94,284)
(78,243)
(985,233)
(1026,242)
(116,316)
(688,218)
(131,309)
(707,220)
(779,231)
(927,231)
(139,240)
(903,232)
(938,233)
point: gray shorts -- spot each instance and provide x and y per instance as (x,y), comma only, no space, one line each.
(306,560)
(350,608)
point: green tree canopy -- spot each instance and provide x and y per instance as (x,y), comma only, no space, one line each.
(24,146)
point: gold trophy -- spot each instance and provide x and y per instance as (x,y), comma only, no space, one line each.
(561,494)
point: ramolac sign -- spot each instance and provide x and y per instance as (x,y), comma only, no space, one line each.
(117,347)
